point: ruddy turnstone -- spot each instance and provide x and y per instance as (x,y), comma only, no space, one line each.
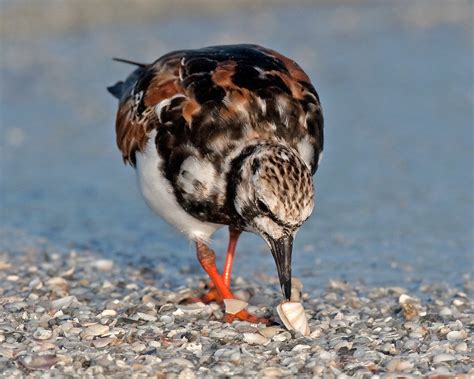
(224,135)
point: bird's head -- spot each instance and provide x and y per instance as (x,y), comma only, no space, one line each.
(274,195)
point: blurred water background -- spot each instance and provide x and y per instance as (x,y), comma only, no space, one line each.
(395,188)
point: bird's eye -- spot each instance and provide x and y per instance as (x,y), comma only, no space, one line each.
(262,207)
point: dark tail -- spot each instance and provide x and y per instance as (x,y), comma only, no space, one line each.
(120,88)
(116,90)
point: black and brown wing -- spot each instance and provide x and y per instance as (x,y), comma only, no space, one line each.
(207,99)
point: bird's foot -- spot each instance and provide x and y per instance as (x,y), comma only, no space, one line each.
(213,296)
(245,316)
(209,297)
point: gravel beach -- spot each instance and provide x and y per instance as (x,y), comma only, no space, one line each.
(76,314)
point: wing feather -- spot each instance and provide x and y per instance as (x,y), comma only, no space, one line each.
(231,92)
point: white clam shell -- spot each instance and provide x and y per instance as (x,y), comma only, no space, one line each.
(293,317)
(255,339)
(233,306)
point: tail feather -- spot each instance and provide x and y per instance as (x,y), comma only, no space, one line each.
(129,62)
(120,89)
(116,90)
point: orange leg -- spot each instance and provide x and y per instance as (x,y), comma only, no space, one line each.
(233,238)
(213,295)
(207,258)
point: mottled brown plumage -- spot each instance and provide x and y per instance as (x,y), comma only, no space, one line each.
(221,91)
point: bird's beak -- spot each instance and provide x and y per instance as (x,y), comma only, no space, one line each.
(281,251)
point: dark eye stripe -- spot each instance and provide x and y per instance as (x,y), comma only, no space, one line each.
(264,209)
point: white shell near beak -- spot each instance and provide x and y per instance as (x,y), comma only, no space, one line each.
(293,317)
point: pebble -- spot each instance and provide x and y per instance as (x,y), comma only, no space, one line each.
(456,335)
(443,358)
(398,365)
(461,347)
(187,373)
(104,264)
(60,322)
(445,312)
(138,347)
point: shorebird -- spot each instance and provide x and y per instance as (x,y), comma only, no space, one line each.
(224,136)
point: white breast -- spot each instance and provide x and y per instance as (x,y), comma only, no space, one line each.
(160,197)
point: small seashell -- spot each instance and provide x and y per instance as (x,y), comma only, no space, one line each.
(293,317)
(270,331)
(43,346)
(39,362)
(102,342)
(445,312)
(104,264)
(397,365)
(167,319)
(404,298)
(192,309)
(233,306)
(68,273)
(187,373)
(108,313)
(456,335)
(146,316)
(138,347)
(42,334)
(94,330)
(443,358)
(58,282)
(280,337)
(461,347)
(63,303)
(255,339)
(4,265)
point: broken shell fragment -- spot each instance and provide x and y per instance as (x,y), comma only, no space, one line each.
(293,317)
(234,306)
(270,331)
(255,339)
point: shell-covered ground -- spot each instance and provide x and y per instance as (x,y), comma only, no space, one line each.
(76,314)
(90,278)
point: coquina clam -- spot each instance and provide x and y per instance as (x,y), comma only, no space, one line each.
(293,317)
